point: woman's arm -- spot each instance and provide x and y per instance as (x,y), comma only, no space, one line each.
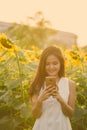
(36,106)
(68,108)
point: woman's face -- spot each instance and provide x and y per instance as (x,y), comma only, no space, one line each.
(52,66)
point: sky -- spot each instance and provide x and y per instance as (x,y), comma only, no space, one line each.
(65,15)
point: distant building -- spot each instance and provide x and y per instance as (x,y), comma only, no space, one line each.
(64,39)
(61,38)
(4,26)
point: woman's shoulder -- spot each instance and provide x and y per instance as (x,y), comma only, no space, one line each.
(71,82)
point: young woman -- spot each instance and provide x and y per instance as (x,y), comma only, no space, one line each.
(52,105)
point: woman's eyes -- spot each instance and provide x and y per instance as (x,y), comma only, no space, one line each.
(54,63)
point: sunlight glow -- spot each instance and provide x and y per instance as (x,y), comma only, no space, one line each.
(65,15)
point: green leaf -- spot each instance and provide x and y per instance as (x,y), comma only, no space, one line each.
(7,123)
(13,83)
(26,111)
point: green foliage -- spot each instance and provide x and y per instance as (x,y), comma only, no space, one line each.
(16,71)
(77,70)
(17,68)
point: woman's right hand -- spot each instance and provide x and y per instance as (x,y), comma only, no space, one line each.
(46,93)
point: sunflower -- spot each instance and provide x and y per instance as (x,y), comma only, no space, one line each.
(5,42)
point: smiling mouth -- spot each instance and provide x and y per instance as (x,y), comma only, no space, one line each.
(52,71)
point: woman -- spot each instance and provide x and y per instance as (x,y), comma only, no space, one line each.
(52,106)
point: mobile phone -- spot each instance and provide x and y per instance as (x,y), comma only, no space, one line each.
(50,80)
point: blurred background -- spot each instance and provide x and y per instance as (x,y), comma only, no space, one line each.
(67,17)
(26,28)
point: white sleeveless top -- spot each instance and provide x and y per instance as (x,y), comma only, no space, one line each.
(52,117)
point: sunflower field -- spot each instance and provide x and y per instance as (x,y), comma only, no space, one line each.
(17,68)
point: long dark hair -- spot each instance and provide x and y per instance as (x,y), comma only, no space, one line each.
(39,78)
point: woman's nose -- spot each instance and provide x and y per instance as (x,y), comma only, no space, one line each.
(51,66)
